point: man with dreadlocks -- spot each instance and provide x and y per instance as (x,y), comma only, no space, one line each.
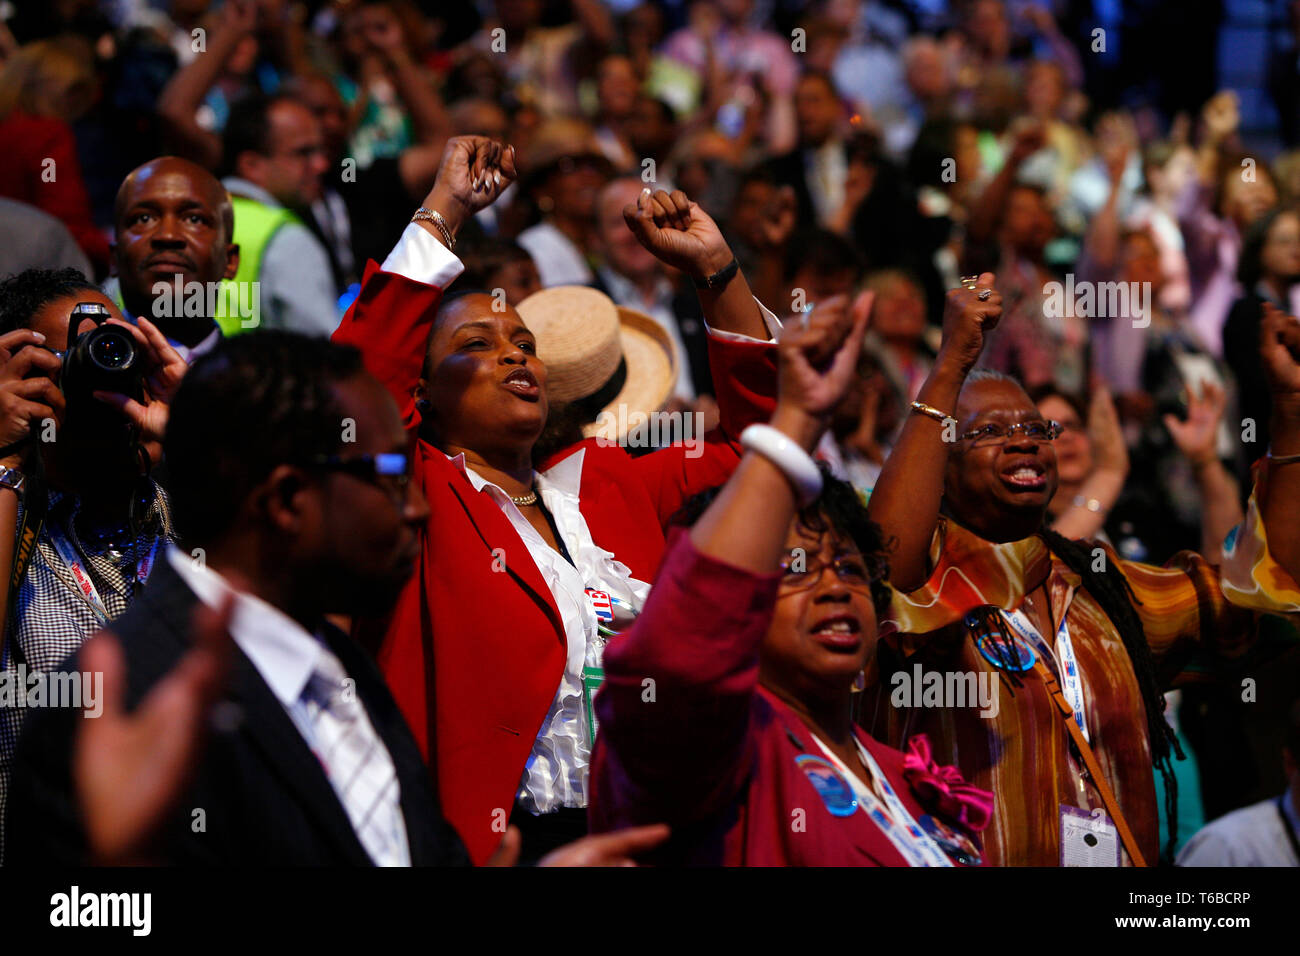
(1082,641)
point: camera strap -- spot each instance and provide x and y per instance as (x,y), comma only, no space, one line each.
(35,506)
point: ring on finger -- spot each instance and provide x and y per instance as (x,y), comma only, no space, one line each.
(969,282)
(984,295)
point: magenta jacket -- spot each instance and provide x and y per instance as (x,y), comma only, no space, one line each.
(688,737)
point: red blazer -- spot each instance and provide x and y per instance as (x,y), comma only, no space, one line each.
(689,738)
(475,649)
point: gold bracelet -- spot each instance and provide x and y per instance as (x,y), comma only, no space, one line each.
(931,412)
(435,217)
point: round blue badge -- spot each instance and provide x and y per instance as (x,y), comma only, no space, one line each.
(1013,656)
(829,784)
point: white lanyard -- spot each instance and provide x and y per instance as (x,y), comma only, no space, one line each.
(85,586)
(1067,666)
(909,839)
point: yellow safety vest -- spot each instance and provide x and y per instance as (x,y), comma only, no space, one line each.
(255,226)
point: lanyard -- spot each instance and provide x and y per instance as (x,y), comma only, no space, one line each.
(892,817)
(1067,665)
(85,586)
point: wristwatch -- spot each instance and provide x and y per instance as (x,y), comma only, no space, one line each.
(719,278)
(12,478)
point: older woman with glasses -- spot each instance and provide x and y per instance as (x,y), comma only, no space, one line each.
(727,708)
(1082,642)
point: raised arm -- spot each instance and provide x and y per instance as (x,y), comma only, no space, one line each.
(413,84)
(683,752)
(986,211)
(1279,352)
(684,236)
(1107,479)
(391,318)
(905,501)
(1197,438)
(183,95)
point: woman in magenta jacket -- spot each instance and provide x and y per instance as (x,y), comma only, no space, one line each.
(726,710)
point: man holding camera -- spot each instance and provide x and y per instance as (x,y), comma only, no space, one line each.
(81,521)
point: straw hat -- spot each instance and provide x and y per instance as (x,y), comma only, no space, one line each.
(586,340)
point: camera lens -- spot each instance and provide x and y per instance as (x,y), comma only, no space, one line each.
(112,350)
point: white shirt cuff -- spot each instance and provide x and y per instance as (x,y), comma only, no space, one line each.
(423,258)
(769,319)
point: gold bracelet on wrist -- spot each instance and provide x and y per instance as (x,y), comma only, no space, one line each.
(931,412)
(435,217)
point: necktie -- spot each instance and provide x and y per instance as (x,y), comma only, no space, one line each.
(358,764)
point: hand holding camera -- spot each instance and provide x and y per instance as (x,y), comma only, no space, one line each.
(28,396)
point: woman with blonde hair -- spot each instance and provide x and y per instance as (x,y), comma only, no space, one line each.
(44,88)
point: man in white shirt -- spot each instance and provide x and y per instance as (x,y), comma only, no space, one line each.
(309,761)
(274,158)
(311,512)
(1264,834)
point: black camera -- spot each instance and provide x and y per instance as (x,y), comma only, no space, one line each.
(103,359)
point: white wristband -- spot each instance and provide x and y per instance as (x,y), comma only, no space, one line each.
(781,451)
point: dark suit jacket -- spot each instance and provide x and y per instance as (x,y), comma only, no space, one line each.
(265,797)
(690,322)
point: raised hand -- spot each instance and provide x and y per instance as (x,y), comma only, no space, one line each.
(130,769)
(1197,437)
(678,232)
(1279,353)
(1105,433)
(1028,139)
(239,16)
(1116,139)
(967,320)
(1221,115)
(473,173)
(28,395)
(817,355)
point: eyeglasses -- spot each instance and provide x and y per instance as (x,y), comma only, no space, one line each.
(393,466)
(993,434)
(800,572)
(306,152)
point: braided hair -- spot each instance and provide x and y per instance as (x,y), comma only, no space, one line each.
(1111,590)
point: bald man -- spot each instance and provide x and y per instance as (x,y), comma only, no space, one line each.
(172,219)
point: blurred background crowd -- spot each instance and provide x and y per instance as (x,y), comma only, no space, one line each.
(891,144)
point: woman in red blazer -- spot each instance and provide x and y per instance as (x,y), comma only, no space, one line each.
(726,709)
(476,646)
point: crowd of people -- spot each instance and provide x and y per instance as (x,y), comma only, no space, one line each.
(706,432)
